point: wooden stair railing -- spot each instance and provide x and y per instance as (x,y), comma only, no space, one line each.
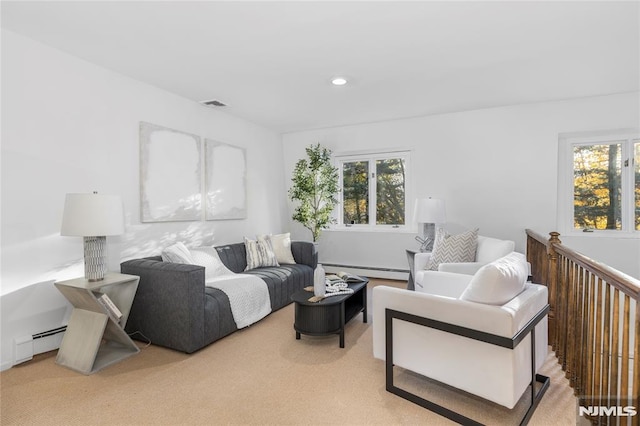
(593,328)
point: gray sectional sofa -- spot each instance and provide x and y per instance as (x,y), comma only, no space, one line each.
(173,308)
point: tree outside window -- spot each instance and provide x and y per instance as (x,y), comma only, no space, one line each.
(374,189)
(606,185)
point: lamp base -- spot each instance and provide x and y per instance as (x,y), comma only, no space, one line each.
(429,237)
(95,258)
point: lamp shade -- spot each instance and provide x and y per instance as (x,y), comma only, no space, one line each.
(92,215)
(429,210)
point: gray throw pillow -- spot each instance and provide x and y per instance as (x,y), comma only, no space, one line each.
(453,248)
(259,254)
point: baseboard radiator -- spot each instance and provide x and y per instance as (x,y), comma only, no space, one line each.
(25,347)
(368,271)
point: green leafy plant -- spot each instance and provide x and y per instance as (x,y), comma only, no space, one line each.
(315,185)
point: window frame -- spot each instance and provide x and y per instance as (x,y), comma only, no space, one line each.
(371,156)
(627,138)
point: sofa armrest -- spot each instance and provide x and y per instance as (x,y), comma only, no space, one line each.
(169,305)
(304,252)
(469,268)
(420,262)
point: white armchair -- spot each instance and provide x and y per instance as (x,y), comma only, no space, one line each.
(420,331)
(488,250)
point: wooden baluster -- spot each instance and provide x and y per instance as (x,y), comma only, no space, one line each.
(563,290)
(597,384)
(636,369)
(571,312)
(624,378)
(579,333)
(590,344)
(605,345)
(615,349)
(551,269)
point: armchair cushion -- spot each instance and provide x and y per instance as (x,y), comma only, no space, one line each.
(453,248)
(499,281)
(490,249)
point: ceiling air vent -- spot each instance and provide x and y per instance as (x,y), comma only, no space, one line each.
(213,103)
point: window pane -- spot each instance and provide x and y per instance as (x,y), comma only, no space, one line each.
(355,192)
(637,174)
(597,186)
(390,182)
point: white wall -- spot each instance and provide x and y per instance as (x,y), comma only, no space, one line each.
(71,126)
(495,168)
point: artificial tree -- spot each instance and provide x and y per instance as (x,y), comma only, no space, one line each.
(315,185)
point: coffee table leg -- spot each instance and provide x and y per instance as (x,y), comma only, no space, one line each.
(364,304)
(342,325)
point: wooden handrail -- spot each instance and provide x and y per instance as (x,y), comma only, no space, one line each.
(595,337)
(617,279)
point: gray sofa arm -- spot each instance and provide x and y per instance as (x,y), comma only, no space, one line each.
(168,307)
(304,252)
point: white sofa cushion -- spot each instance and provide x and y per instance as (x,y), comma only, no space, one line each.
(498,282)
(453,248)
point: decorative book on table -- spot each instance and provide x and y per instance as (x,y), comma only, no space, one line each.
(110,307)
(345,277)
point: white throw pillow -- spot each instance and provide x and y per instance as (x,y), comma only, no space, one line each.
(499,281)
(490,249)
(259,254)
(453,248)
(209,258)
(281,245)
(177,253)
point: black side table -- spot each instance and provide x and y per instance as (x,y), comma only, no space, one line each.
(329,315)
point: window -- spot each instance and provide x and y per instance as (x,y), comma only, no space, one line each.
(605,183)
(373,189)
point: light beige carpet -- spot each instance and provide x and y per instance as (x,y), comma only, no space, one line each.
(259,375)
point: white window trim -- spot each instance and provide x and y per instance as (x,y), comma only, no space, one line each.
(565,181)
(407,154)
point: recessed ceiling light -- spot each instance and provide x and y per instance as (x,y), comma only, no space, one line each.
(338,81)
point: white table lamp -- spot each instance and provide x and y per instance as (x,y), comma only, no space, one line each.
(93,217)
(428,211)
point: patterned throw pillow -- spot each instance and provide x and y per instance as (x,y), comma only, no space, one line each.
(281,245)
(259,254)
(453,248)
(177,253)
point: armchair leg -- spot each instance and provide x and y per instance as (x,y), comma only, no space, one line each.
(536,397)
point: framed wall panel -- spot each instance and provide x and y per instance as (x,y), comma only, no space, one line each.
(170,175)
(225,181)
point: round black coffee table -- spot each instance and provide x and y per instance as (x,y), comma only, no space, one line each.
(330,314)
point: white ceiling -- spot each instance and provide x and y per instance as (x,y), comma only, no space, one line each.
(271,61)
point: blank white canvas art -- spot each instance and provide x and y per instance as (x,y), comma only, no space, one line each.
(170,175)
(225,180)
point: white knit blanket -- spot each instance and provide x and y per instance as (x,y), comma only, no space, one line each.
(248,296)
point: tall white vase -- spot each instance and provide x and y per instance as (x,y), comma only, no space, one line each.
(319,285)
